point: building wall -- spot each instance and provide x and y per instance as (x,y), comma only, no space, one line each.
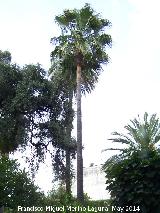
(94,183)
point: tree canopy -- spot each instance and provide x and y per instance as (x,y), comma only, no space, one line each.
(5,57)
(16,188)
(33,111)
(82,34)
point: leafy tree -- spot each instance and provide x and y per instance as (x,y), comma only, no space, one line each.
(142,135)
(66,92)
(5,57)
(7,86)
(32,113)
(133,175)
(46,110)
(11,123)
(78,55)
(16,188)
(134,182)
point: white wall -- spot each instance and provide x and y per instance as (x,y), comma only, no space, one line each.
(94,183)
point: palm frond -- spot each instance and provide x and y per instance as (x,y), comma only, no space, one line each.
(82,31)
(142,135)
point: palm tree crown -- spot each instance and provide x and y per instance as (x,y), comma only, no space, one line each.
(82,41)
(141,135)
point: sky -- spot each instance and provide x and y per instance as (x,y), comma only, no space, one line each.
(129,84)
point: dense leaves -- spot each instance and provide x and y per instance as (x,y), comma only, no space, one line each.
(133,176)
(64,167)
(16,188)
(5,57)
(33,112)
(136,182)
(12,130)
(82,40)
(142,135)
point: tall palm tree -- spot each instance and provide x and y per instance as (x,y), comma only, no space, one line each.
(142,135)
(79,53)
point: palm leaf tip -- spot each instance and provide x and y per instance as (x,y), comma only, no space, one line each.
(66,18)
(141,135)
(81,31)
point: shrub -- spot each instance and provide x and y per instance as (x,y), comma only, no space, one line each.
(135,181)
(16,188)
(59,198)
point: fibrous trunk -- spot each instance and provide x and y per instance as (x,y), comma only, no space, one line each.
(79,139)
(68,152)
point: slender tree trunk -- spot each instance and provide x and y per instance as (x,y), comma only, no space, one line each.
(79,139)
(68,153)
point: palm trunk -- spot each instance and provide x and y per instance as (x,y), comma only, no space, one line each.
(79,139)
(68,153)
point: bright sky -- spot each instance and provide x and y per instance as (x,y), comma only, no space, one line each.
(128,86)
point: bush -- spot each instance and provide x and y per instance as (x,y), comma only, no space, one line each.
(16,188)
(135,181)
(59,198)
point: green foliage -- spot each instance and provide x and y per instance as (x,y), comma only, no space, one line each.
(142,135)
(5,57)
(12,131)
(82,41)
(133,176)
(60,198)
(34,112)
(16,188)
(136,182)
